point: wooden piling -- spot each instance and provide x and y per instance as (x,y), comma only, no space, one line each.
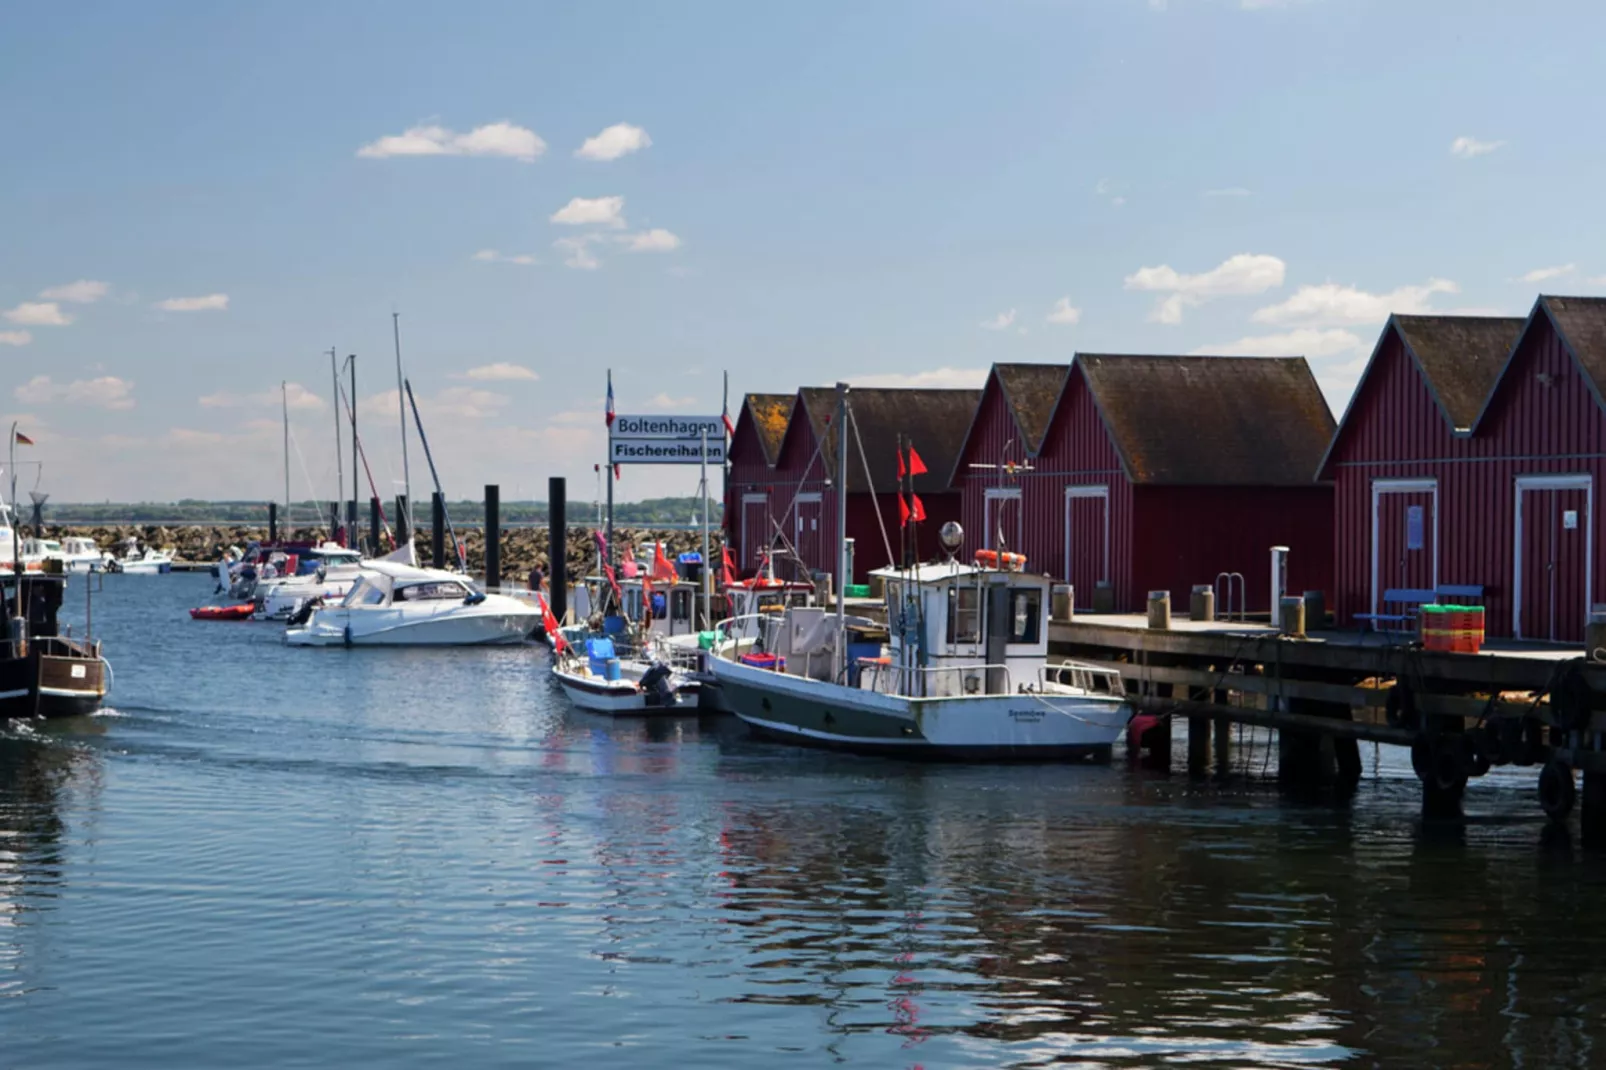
(1198,746)
(1592,810)
(1223,741)
(335,534)
(404,526)
(437,534)
(273,521)
(558,540)
(493,536)
(373,527)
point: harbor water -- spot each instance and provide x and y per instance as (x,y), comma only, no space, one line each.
(264,856)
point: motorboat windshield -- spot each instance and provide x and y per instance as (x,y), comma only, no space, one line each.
(370,590)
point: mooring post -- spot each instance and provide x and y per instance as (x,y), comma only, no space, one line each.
(558,545)
(404,526)
(1198,745)
(373,527)
(273,521)
(437,534)
(493,536)
(335,534)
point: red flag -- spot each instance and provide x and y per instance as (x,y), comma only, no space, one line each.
(917,467)
(663,569)
(646,597)
(903,512)
(613,582)
(902,471)
(553,629)
(729,578)
(730,428)
(918,513)
(616,471)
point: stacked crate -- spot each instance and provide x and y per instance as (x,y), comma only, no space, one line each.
(1452,629)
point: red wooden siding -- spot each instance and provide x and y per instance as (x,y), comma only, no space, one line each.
(1544,420)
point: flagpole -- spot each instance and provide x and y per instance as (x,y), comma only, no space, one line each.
(16,555)
(611,470)
(707,574)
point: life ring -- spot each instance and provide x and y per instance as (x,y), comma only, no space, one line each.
(1009,562)
(1557,792)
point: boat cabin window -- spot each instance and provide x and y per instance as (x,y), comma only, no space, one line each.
(430,592)
(1025,615)
(680,605)
(964,615)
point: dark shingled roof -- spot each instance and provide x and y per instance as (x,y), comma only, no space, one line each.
(1461,358)
(936,421)
(1032,391)
(1221,421)
(1582,322)
(771,414)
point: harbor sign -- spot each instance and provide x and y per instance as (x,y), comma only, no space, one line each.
(661,439)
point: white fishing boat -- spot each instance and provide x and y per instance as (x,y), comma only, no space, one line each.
(135,562)
(399,605)
(81,554)
(595,679)
(960,671)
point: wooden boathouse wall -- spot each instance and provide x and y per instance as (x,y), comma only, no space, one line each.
(750,484)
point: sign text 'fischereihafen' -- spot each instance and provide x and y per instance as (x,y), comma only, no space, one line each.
(665,450)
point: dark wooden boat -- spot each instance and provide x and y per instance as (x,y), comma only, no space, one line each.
(44,673)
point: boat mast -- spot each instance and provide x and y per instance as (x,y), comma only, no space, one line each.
(284,402)
(423,440)
(401,413)
(340,473)
(352,538)
(841,528)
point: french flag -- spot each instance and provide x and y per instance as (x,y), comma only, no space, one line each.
(608,413)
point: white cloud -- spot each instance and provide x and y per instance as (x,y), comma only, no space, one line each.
(578,252)
(296,396)
(1229,191)
(1329,304)
(1545,274)
(620,139)
(1116,202)
(1468,147)
(106,392)
(941,378)
(84,292)
(1302,342)
(656,240)
(38,314)
(662,402)
(1062,312)
(1245,273)
(206,303)
(15,338)
(1000,322)
(466,402)
(500,372)
(496,257)
(1598,280)
(592,211)
(493,139)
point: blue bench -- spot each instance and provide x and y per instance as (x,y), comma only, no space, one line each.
(1409,598)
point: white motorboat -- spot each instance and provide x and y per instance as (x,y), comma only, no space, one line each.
(594,679)
(399,605)
(145,562)
(76,554)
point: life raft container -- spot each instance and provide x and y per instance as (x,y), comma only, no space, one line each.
(239,612)
(1008,562)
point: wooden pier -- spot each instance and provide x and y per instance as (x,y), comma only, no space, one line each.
(1325,692)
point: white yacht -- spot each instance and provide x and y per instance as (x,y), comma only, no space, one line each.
(136,562)
(399,605)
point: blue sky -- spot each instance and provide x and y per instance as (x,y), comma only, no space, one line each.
(887,192)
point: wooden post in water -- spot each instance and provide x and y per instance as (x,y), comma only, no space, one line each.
(1199,743)
(493,536)
(273,521)
(437,534)
(373,527)
(558,545)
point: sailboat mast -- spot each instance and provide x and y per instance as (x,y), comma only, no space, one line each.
(340,472)
(284,402)
(842,579)
(708,564)
(352,538)
(401,413)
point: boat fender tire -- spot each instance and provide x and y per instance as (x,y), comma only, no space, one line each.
(1557,792)
(1475,751)
(1493,743)
(1422,758)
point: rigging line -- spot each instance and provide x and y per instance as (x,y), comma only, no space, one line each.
(384,522)
(302,460)
(853,422)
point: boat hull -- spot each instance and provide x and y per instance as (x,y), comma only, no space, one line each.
(619,697)
(38,686)
(1027,727)
(479,630)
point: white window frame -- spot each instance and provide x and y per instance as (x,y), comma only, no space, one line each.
(995,494)
(1381,487)
(1100,490)
(1570,481)
(807,497)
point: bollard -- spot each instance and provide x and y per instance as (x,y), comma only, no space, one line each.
(558,545)
(1103,597)
(273,522)
(1202,602)
(1316,610)
(1160,609)
(437,534)
(1063,602)
(1292,617)
(493,536)
(373,528)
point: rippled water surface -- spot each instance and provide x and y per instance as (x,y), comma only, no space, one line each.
(276,857)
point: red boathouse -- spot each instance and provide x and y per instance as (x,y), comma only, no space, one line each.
(1470,456)
(1152,473)
(751,508)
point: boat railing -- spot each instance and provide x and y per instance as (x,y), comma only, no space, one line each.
(54,646)
(1092,679)
(937,681)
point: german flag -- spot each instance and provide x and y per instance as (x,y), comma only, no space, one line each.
(23,440)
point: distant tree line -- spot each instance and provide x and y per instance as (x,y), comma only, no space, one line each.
(654,512)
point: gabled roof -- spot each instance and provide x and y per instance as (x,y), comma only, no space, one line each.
(934,420)
(1581,324)
(770,415)
(1460,358)
(1211,421)
(1031,391)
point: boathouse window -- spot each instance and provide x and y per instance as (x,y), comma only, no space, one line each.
(964,615)
(1025,615)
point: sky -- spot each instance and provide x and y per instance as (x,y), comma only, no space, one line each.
(198,201)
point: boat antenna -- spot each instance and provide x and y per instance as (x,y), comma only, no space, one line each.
(423,440)
(401,414)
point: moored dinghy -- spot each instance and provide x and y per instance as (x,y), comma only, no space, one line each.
(595,679)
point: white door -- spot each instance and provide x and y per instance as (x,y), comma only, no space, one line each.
(1553,557)
(1002,519)
(755,528)
(1405,536)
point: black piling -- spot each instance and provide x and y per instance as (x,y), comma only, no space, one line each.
(437,534)
(273,521)
(334,523)
(558,544)
(353,532)
(373,528)
(404,529)
(493,536)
